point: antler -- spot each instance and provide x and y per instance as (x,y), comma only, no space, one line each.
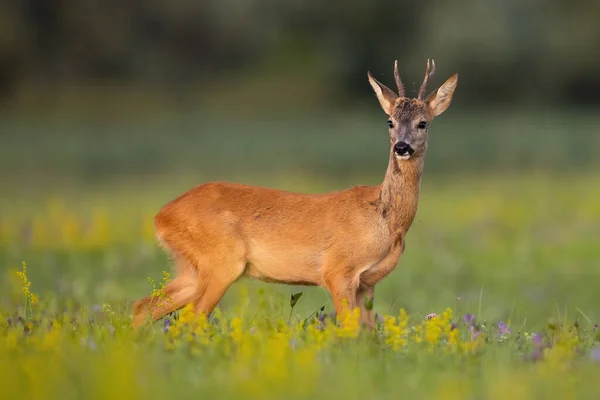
(428,74)
(398,80)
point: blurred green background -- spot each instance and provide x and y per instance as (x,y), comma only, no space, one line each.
(121,106)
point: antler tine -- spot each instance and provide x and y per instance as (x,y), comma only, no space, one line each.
(398,80)
(428,74)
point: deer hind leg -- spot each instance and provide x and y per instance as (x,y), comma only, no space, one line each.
(217,257)
(218,272)
(212,287)
(179,292)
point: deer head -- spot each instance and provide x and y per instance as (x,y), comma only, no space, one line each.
(409,118)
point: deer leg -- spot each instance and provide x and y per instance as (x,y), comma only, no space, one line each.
(217,270)
(179,292)
(365,293)
(211,290)
(342,290)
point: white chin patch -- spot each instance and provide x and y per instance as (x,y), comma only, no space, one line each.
(404,157)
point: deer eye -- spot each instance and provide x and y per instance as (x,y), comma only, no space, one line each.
(391,124)
(422,125)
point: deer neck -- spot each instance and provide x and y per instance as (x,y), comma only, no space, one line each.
(399,193)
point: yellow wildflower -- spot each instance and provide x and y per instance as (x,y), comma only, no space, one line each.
(237,332)
(396,333)
(30,298)
(563,350)
(319,337)
(349,322)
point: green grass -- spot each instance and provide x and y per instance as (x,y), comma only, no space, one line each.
(522,249)
(507,230)
(339,146)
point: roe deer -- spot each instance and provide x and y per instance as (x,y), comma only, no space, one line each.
(345,241)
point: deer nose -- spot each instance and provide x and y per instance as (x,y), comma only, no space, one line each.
(403,148)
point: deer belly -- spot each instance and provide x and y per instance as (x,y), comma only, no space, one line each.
(294,266)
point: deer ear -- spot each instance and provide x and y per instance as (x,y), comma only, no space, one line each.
(387,98)
(440,100)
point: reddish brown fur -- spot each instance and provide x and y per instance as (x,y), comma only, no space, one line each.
(344,241)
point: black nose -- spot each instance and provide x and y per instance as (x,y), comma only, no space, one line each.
(403,148)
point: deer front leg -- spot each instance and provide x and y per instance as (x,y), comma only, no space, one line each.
(342,291)
(364,295)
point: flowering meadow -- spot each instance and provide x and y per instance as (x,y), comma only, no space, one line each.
(496,297)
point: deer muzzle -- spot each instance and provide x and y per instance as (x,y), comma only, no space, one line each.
(403,150)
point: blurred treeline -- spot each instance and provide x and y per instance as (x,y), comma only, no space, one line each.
(510,51)
(94,90)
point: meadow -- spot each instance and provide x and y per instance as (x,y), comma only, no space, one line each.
(496,295)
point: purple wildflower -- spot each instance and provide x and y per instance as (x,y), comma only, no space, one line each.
(321,320)
(167,324)
(475,331)
(538,351)
(96,308)
(503,329)
(469,319)
(89,342)
(595,354)
(536,355)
